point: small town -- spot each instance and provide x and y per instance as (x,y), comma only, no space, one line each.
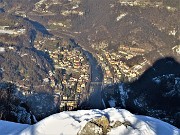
(75,75)
(115,70)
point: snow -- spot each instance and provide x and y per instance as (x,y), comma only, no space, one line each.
(123,94)
(137,103)
(112,103)
(140,101)
(75,7)
(71,122)
(2,49)
(103,103)
(156,80)
(121,16)
(12,128)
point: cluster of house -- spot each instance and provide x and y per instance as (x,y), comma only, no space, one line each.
(43,6)
(176,49)
(74,62)
(70,12)
(141,2)
(116,70)
(76,75)
(144,3)
(5,30)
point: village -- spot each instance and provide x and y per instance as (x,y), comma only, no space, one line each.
(75,75)
(8,30)
(71,75)
(115,70)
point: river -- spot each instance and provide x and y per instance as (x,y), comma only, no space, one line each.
(95,98)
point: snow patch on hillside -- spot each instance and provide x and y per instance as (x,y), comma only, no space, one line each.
(123,94)
(121,16)
(112,102)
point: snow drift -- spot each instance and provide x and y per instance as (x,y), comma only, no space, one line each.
(72,122)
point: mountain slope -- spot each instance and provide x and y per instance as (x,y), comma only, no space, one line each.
(74,121)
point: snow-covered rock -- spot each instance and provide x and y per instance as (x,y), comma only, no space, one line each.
(72,122)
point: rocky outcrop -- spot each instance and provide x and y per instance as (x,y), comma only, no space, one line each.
(101,126)
(96,126)
(91,129)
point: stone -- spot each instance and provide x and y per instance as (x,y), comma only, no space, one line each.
(116,124)
(91,129)
(102,122)
(97,126)
(127,123)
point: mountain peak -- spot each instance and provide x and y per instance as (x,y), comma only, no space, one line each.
(118,121)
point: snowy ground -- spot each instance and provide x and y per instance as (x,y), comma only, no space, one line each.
(69,123)
(7,128)
(123,94)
